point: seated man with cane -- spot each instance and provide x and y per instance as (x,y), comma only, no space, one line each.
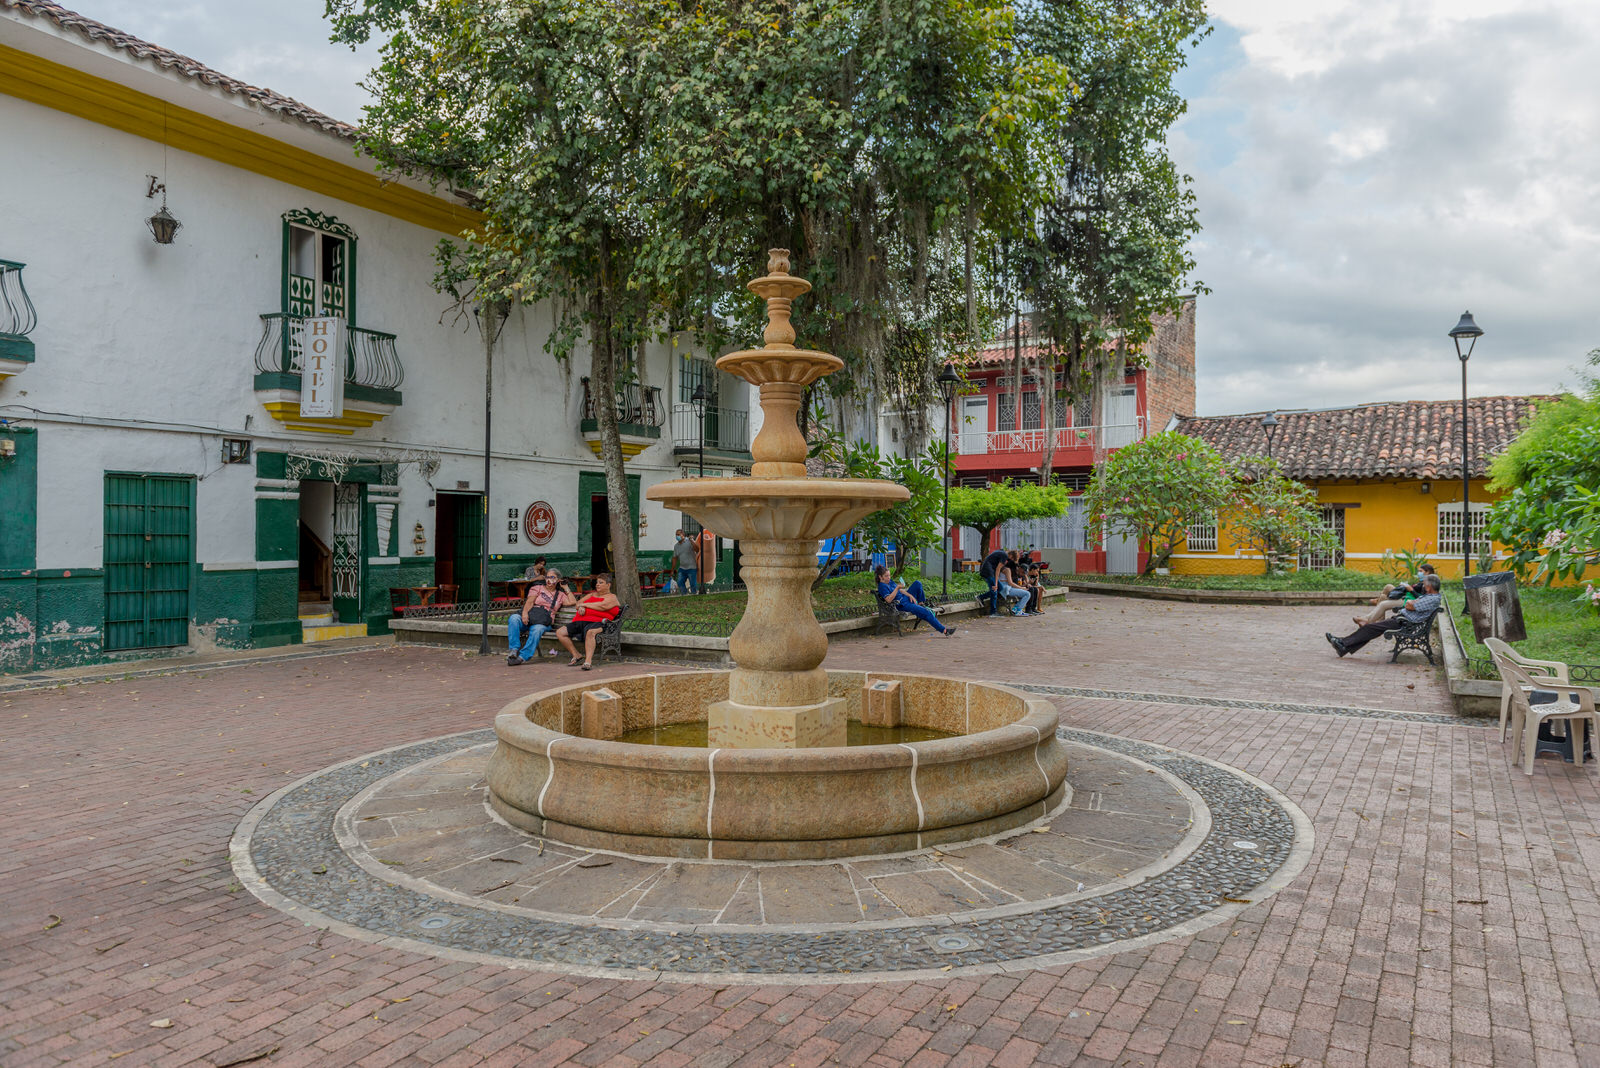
(1415,612)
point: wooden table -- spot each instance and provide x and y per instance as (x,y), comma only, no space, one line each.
(424,594)
(519,587)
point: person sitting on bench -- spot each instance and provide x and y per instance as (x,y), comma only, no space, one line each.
(1035,588)
(525,628)
(1011,587)
(1415,612)
(595,610)
(1395,596)
(908,599)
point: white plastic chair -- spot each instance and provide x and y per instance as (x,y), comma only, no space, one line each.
(1573,703)
(1554,671)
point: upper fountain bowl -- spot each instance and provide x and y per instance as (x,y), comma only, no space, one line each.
(778,509)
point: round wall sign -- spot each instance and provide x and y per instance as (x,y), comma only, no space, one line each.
(539,522)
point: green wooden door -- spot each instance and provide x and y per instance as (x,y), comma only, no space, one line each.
(469,547)
(149,560)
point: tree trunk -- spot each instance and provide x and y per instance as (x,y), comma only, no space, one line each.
(603,373)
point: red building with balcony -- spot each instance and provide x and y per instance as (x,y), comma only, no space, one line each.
(997,431)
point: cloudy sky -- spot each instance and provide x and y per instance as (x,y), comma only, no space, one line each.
(1366,171)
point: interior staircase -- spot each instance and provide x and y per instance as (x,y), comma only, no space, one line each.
(319,624)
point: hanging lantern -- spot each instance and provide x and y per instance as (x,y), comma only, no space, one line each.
(163,225)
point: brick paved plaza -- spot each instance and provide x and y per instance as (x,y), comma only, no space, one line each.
(1448,914)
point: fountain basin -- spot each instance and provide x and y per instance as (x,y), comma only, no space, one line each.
(1003,769)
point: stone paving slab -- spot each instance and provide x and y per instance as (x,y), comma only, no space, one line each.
(1447,917)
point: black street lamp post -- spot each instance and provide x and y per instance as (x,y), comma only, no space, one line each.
(948,380)
(698,399)
(1468,331)
(1269,427)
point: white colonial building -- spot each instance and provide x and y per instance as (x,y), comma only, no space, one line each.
(163,483)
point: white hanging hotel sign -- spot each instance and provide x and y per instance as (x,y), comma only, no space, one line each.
(322,356)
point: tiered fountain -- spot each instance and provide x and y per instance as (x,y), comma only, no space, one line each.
(775,778)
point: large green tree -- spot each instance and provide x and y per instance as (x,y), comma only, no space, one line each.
(1107,249)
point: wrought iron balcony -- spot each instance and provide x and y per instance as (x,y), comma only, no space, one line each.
(722,429)
(371,362)
(17,319)
(638,409)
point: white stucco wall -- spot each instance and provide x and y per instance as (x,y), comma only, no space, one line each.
(145,352)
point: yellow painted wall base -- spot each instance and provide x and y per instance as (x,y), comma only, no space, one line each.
(328,634)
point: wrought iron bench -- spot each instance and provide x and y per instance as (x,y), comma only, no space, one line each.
(1413,636)
(608,641)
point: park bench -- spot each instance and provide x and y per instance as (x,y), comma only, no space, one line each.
(608,641)
(1413,636)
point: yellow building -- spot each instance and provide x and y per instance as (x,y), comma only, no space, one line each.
(1388,477)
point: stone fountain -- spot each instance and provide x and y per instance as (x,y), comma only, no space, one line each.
(778,693)
(775,778)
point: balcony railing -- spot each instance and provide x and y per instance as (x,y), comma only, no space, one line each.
(17,317)
(370,356)
(636,405)
(1097,438)
(727,429)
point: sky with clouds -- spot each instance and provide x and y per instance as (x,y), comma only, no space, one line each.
(1365,172)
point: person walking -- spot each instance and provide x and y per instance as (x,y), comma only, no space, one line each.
(687,564)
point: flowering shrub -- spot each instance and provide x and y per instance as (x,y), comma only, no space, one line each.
(1150,490)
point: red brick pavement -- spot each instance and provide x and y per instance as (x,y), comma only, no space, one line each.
(1448,916)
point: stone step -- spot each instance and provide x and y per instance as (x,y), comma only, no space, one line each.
(320,619)
(309,634)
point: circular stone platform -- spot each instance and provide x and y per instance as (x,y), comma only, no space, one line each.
(399,847)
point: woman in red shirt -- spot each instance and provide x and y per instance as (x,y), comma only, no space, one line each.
(595,610)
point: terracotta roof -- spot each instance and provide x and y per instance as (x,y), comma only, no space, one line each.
(100,33)
(1402,439)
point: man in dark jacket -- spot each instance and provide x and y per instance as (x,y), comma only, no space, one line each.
(989,572)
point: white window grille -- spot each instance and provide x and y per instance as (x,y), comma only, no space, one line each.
(1450,527)
(1201,534)
(1006,412)
(1031,415)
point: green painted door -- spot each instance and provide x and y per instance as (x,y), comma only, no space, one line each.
(149,560)
(469,547)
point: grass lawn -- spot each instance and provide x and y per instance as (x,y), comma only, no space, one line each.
(1332,579)
(1559,627)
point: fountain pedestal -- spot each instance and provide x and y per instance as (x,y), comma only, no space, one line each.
(778,693)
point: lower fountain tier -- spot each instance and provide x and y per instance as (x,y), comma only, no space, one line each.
(556,771)
(778,509)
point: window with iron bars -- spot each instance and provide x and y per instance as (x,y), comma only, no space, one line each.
(1450,527)
(1031,414)
(1006,412)
(1333,522)
(1201,534)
